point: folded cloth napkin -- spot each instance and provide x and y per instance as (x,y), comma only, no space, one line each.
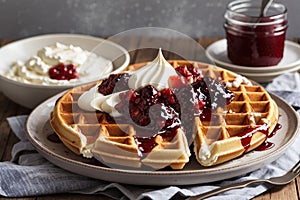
(287,86)
(28,173)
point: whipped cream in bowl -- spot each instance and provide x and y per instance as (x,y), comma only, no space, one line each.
(25,65)
(35,70)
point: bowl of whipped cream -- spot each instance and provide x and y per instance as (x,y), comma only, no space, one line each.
(36,68)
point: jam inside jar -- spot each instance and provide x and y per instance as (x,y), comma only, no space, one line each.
(254,40)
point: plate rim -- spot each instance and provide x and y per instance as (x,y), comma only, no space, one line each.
(247,69)
(206,171)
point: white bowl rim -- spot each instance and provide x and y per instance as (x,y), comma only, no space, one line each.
(67,35)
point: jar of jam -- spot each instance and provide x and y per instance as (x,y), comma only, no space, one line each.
(252,39)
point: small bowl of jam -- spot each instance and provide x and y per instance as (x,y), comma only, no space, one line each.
(254,40)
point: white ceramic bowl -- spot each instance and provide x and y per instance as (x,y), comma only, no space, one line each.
(30,95)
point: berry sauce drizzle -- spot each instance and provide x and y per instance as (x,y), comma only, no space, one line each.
(146,144)
(268,145)
(265,146)
(114,83)
(247,134)
(161,113)
(277,127)
(54,138)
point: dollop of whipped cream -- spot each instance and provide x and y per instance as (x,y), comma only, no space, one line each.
(107,104)
(156,73)
(67,54)
(35,69)
(93,100)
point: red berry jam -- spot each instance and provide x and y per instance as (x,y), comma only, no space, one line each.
(155,112)
(146,144)
(265,146)
(247,134)
(268,145)
(190,73)
(54,138)
(149,107)
(254,40)
(162,112)
(114,83)
(63,72)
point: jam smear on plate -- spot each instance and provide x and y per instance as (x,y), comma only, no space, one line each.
(114,83)
(54,138)
(265,146)
(268,145)
(247,134)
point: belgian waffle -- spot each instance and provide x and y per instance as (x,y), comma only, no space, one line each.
(95,134)
(239,127)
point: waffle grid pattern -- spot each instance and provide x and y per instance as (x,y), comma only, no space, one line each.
(114,143)
(95,134)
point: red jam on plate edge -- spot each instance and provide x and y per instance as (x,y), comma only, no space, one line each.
(247,134)
(268,145)
(54,138)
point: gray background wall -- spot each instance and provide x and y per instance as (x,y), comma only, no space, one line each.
(196,18)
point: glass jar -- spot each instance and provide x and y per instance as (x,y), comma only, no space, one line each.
(254,40)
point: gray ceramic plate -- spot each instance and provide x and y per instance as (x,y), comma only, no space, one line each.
(217,52)
(38,129)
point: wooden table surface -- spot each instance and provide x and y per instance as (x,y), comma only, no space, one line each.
(9,108)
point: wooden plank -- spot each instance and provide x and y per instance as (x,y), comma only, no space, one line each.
(264,196)
(73,197)
(126,41)
(23,111)
(206,41)
(189,49)
(21,198)
(7,109)
(12,138)
(148,48)
(298,186)
(6,41)
(182,49)
(287,192)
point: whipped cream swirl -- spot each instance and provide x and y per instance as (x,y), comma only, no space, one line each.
(156,73)
(93,100)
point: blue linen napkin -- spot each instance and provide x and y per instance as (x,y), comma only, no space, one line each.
(29,174)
